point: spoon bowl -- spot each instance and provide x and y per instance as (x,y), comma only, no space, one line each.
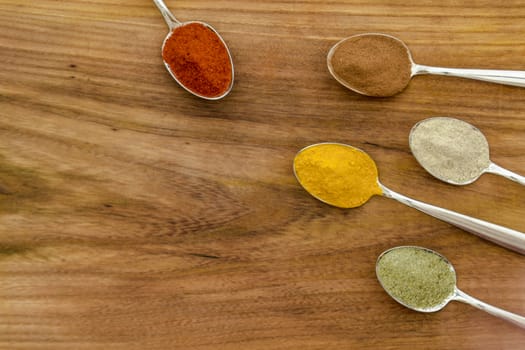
(371,77)
(346,177)
(174,25)
(417,278)
(454,151)
(346,194)
(425,281)
(380,65)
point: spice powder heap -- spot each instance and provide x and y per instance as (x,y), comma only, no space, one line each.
(450,149)
(372,64)
(337,174)
(199,59)
(416,277)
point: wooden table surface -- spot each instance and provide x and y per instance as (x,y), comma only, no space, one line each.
(136,216)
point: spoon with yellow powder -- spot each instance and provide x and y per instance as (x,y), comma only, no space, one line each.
(346,177)
(424,280)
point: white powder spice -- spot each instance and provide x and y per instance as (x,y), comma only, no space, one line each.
(450,149)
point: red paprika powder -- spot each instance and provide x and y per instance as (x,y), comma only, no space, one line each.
(199,59)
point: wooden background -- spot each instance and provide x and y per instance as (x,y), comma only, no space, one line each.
(136,216)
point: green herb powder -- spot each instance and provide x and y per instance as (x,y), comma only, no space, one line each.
(416,277)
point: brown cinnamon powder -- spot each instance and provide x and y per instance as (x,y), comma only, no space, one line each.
(371,64)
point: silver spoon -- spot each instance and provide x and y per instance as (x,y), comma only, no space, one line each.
(173,23)
(346,195)
(411,69)
(399,262)
(454,151)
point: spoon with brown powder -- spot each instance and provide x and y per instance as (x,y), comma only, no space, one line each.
(381,65)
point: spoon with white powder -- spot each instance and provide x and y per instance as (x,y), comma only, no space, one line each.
(454,151)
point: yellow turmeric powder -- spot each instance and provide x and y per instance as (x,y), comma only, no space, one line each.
(337,174)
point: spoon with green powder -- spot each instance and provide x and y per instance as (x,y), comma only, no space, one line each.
(346,177)
(381,65)
(454,151)
(424,280)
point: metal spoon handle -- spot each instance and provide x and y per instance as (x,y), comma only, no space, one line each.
(506,77)
(171,21)
(496,169)
(503,236)
(495,311)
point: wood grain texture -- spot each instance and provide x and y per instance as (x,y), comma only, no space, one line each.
(136,216)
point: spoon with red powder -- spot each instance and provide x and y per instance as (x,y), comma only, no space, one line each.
(196,56)
(381,65)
